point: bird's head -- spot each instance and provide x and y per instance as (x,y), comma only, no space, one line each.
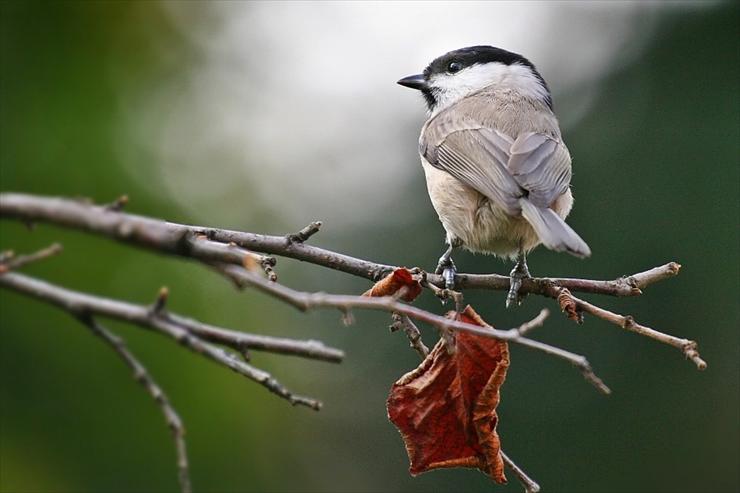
(459,73)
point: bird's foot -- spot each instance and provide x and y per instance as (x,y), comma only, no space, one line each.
(518,273)
(447,268)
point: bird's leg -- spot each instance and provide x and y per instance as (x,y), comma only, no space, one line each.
(446,266)
(519,272)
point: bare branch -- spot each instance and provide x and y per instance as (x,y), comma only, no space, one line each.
(146,316)
(142,376)
(177,328)
(172,238)
(627,322)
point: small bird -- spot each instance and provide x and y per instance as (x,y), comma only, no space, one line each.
(497,170)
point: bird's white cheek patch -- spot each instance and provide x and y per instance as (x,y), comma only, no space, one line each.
(450,88)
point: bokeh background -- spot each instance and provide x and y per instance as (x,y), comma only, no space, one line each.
(265,116)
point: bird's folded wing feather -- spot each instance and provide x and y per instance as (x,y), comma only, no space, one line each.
(535,165)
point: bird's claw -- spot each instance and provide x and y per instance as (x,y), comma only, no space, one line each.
(449,276)
(513,298)
(519,273)
(447,268)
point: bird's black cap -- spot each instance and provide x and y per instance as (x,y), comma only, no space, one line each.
(472,55)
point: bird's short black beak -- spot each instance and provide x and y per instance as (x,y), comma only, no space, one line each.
(417,82)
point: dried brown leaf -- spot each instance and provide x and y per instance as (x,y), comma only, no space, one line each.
(400,279)
(446,408)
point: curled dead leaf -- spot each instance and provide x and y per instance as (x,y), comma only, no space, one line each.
(569,306)
(445,409)
(400,279)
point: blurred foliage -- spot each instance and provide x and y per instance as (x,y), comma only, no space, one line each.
(656,179)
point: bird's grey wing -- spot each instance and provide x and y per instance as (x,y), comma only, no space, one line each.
(479,158)
(534,165)
(541,166)
(475,155)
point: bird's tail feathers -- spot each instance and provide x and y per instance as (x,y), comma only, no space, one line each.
(554,233)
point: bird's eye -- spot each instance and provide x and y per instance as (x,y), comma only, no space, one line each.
(454,67)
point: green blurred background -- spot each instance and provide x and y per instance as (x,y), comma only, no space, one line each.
(161,101)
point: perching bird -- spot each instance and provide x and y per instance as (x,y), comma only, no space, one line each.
(497,170)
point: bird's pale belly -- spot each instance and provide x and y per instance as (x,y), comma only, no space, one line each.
(481,226)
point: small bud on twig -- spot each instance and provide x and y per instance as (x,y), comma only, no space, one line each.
(118,204)
(305,233)
(161,301)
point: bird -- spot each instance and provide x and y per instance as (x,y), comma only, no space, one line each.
(497,170)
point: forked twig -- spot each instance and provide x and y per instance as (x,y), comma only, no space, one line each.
(11,262)
(177,328)
(141,375)
(688,347)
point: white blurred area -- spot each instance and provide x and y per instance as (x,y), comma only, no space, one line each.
(290,112)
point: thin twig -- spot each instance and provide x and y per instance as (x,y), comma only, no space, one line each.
(160,301)
(118,204)
(403,322)
(627,322)
(11,262)
(143,376)
(200,247)
(534,323)
(232,362)
(530,486)
(644,279)
(576,360)
(304,234)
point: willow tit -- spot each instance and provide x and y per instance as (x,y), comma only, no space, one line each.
(497,170)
